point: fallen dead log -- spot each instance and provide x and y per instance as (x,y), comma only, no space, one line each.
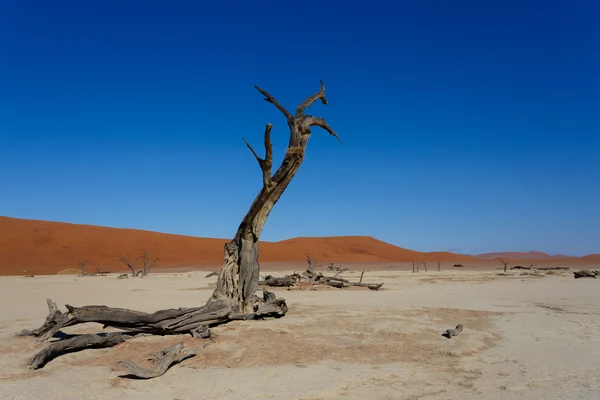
(585,273)
(77,343)
(164,359)
(553,268)
(346,283)
(316,279)
(194,321)
(519,267)
(214,273)
(288,280)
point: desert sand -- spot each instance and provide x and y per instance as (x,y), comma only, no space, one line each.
(525,337)
(47,248)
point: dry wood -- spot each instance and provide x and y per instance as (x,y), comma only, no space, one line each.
(214,273)
(458,266)
(164,359)
(77,343)
(552,268)
(424,265)
(505,264)
(450,333)
(439,266)
(585,273)
(317,278)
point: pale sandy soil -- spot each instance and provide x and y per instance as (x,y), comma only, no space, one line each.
(525,338)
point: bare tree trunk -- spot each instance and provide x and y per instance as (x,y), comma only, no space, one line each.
(239,276)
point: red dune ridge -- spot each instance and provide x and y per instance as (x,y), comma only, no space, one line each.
(44,247)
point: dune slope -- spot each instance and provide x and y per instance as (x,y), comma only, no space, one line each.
(43,247)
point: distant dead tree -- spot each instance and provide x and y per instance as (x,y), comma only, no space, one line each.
(147,266)
(424,265)
(82,265)
(439,266)
(505,264)
(130,264)
(458,266)
(414,269)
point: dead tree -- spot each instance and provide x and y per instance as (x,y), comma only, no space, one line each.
(147,266)
(505,264)
(424,265)
(130,264)
(213,273)
(458,266)
(82,265)
(234,297)
(439,266)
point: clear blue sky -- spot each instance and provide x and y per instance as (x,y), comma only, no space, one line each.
(468,126)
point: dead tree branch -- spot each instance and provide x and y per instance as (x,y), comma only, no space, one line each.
(424,265)
(164,359)
(130,264)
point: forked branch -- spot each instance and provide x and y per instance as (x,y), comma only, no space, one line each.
(310,100)
(267,162)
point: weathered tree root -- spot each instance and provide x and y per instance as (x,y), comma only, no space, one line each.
(195,321)
(164,359)
(78,343)
(450,333)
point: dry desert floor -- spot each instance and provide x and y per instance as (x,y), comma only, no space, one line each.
(525,337)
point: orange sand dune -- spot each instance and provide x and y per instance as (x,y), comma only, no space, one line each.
(43,247)
(530,255)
